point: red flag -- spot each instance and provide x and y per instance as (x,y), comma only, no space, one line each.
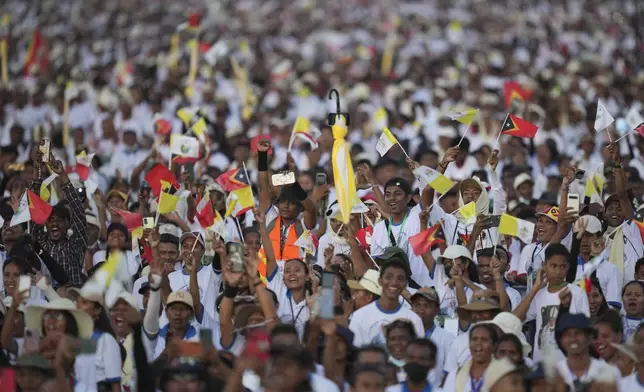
(38,208)
(640,129)
(131,220)
(422,242)
(144,250)
(193,21)
(364,236)
(205,214)
(514,126)
(464,238)
(512,90)
(37,53)
(8,379)
(162,126)
(159,174)
(184,160)
(233,179)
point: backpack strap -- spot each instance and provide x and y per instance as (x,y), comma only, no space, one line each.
(392,240)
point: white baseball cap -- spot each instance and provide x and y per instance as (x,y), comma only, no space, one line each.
(591,223)
(520,179)
(454,252)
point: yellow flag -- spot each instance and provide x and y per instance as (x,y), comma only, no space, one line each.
(468,210)
(167,203)
(230,207)
(194,121)
(594,185)
(464,117)
(386,141)
(345,185)
(516,227)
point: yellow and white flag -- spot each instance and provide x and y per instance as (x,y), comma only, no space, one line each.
(464,117)
(468,211)
(430,177)
(380,119)
(345,186)
(306,243)
(386,141)
(522,229)
(45,194)
(194,122)
(303,130)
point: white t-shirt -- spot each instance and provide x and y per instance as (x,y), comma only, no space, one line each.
(533,256)
(401,233)
(450,382)
(443,341)
(630,325)
(446,294)
(632,383)
(609,278)
(367,323)
(339,247)
(597,367)
(104,366)
(209,283)
(289,312)
(545,309)
(132,258)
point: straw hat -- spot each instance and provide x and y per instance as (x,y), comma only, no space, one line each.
(33,316)
(496,371)
(368,282)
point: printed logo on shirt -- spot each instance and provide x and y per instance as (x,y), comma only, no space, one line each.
(547,333)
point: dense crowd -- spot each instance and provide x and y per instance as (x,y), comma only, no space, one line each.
(296,196)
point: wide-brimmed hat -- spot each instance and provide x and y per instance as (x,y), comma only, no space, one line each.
(368,282)
(498,369)
(128,298)
(427,292)
(85,324)
(476,305)
(510,324)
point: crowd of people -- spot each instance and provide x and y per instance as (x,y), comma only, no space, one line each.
(176,215)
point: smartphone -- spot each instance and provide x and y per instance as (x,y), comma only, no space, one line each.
(235,252)
(327,301)
(190,349)
(579,174)
(491,221)
(24,284)
(283,179)
(190,169)
(45,149)
(83,346)
(205,337)
(573,202)
(320,179)
(148,223)
(31,343)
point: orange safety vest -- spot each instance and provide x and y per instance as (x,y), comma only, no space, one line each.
(290,250)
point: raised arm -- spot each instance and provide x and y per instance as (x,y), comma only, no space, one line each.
(521,311)
(271,263)
(78,222)
(194,285)
(366,174)
(620,182)
(265,196)
(231,280)
(102,215)
(264,298)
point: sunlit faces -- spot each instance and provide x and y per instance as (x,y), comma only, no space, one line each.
(424,308)
(10,277)
(54,321)
(613,214)
(545,228)
(575,341)
(168,252)
(288,209)
(393,281)
(295,274)
(198,250)
(56,227)
(482,340)
(179,315)
(509,349)
(595,300)
(604,336)
(252,243)
(633,299)
(470,193)
(396,199)
(361,298)
(117,316)
(556,268)
(116,239)
(398,337)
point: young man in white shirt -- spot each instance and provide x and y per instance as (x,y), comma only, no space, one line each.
(635,382)
(420,356)
(367,322)
(548,295)
(426,305)
(574,336)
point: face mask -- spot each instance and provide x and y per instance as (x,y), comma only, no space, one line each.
(397,362)
(416,372)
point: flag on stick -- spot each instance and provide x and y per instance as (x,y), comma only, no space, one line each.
(422,242)
(83,164)
(464,117)
(386,141)
(184,146)
(516,227)
(514,126)
(194,122)
(602,119)
(428,176)
(512,90)
(303,129)
(233,179)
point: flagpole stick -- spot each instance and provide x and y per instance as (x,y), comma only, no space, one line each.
(403,150)
(501,131)
(241,234)
(624,136)
(195,243)
(248,177)
(464,133)
(3,60)
(610,139)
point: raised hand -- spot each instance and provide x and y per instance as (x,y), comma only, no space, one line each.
(154,238)
(232,279)
(411,164)
(259,216)
(569,176)
(328,255)
(565,297)
(450,155)
(493,160)
(263,146)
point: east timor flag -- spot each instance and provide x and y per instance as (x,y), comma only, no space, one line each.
(422,242)
(233,179)
(514,126)
(512,90)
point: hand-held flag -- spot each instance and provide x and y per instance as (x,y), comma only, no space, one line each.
(386,141)
(516,227)
(514,126)
(430,177)
(512,90)
(422,242)
(603,119)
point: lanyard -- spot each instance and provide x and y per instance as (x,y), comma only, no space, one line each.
(476,385)
(402,227)
(283,235)
(290,302)
(529,271)
(429,333)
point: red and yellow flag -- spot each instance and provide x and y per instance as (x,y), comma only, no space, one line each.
(514,126)
(512,90)
(38,208)
(422,242)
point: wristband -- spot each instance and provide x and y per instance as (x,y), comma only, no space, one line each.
(300,193)
(262,160)
(230,292)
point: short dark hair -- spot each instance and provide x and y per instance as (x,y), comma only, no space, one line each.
(371,348)
(639,264)
(489,328)
(60,210)
(283,329)
(364,368)
(556,250)
(394,263)
(401,324)
(639,282)
(169,239)
(433,350)
(612,319)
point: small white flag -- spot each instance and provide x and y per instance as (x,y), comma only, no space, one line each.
(184,146)
(1,221)
(22,214)
(306,242)
(386,141)
(634,118)
(603,119)
(216,52)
